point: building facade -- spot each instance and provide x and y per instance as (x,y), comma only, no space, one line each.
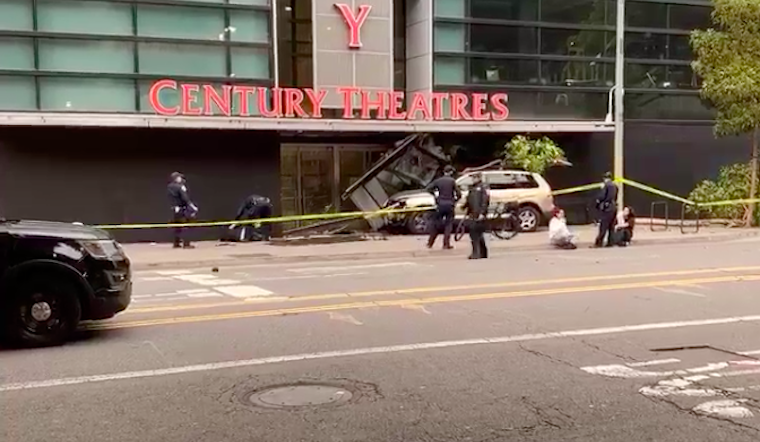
(100,100)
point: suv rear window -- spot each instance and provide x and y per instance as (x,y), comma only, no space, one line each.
(501,181)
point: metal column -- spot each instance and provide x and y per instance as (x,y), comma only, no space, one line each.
(619,92)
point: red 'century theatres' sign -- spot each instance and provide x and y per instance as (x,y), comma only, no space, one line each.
(206,99)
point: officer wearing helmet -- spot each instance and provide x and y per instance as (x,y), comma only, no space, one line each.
(182,208)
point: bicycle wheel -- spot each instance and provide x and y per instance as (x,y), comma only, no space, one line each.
(504,227)
(459,232)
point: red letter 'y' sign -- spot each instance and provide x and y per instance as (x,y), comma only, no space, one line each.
(354,22)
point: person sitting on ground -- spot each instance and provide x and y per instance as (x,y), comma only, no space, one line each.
(626,220)
(559,235)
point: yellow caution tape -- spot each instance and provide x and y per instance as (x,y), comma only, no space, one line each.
(280,219)
(382,212)
(577,189)
(650,189)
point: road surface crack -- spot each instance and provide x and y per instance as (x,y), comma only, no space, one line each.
(545,356)
(738,426)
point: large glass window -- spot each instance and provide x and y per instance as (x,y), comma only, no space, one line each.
(84,17)
(81,61)
(503,39)
(16,15)
(646,14)
(577,11)
(502,71)
(577,73)
(504,9)
(576,42)
(688,17)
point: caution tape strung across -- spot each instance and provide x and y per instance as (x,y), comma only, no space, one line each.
(382,212)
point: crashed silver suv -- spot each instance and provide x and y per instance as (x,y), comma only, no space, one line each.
(529,190)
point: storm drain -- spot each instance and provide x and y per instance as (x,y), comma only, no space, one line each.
(300,396)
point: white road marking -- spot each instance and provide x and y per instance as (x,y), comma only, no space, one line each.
(655,362)
(418,308)
(207,280)
(289,278)
(335,316)
(205,295)
(680,292)
(154,279)
(725,409)
(134,297)
(244,291)
(173,272)
(750,353)
(343,268)
(369,351)
(191,291)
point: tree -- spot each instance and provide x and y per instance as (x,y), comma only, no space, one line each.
(533,155)
(728,60)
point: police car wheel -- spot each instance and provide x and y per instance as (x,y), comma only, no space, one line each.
(43,312)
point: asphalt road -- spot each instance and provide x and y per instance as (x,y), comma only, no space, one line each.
(654,343)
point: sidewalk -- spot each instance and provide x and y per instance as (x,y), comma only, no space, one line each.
(162,256)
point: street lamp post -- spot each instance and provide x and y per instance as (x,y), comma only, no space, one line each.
(619,91)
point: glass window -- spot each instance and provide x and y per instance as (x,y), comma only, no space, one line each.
(688,17)
(503,39)
(449,70)
(648,45)
(248,2)
(180,22)
(653,106)
(646,15)
(16,53)
(483,70)
(16,15)
(661,77)
(18,93)
(679,47)
(578,11)
(84,17)
(577,73)
(505,181)
(577,42)
(182,59)
(449,8)
(249,26)
(250,63)
(504,9)
(86,56)
(87,94)
(449,37)
(557,105)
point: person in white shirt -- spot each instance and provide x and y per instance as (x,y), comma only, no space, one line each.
(559,235)
(626,220)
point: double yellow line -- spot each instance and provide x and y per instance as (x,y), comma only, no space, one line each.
(416,301)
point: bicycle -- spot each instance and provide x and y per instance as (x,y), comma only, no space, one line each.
(502,221)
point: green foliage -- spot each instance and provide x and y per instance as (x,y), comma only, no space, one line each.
(732,184)
(728,60)
(533,155)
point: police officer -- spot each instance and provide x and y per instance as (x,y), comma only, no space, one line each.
(254,207)
(606,206)
(447,196)
(477,209)
(182,208)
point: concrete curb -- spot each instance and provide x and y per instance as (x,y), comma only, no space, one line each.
(458,253)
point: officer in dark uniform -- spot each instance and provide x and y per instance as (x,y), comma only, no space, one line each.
(254,207)
(606,206)
(477,209)
(447,196)
(182,208)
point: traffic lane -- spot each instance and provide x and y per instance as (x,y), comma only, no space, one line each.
(681,282)
(170,342)
(296,280)
(474,392)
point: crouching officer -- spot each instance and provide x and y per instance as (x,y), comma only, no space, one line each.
(477,209)
(254,207)
(182,208)
(447,194)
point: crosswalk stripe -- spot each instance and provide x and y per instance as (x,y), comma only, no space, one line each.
(244,291)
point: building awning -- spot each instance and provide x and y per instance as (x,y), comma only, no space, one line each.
(295,124)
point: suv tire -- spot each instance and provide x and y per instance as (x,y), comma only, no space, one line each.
(42,311)
(528,218)
(418,223)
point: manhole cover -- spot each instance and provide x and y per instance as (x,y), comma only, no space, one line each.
(300,396)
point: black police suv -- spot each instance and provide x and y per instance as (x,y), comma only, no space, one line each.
(53,275)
